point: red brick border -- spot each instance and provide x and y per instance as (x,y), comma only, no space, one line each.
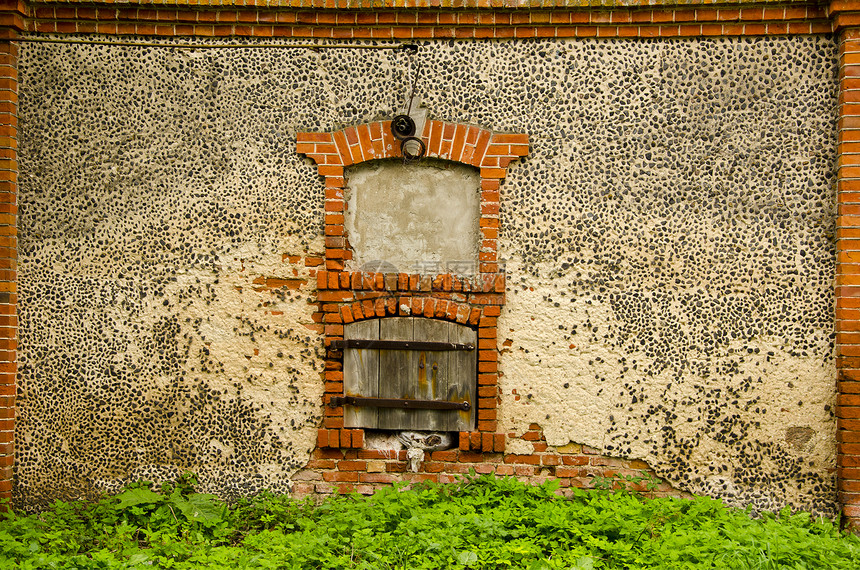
(474,146)
(360,296)
(345,297)
(848,263)
(348,469)
(410,20)
(8,253)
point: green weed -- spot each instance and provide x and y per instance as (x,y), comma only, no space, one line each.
(480,523)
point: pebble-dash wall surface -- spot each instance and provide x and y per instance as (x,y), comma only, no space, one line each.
(669,242)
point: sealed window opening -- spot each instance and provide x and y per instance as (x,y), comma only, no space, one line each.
(413,218)
(409,373)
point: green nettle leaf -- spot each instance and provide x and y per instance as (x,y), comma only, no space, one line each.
(480,522)
(200,508)
(467,557)
(138,558)
(138,496)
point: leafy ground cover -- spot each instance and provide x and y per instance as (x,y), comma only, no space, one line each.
(478,523)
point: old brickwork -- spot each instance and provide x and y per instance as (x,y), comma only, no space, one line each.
(8,254)
(847,314)
(346,297)
(315,271)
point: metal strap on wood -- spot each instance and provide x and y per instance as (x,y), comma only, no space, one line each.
(402,403)
(399,345)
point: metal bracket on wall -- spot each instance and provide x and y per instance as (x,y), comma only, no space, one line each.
(399,345)
(402,403)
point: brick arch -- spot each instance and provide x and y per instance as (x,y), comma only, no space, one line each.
(344,297)
(491,153)
(468,144)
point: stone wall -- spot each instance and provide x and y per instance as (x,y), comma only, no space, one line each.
(167,233)
(669,244)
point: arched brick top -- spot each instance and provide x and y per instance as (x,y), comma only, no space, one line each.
(490,152)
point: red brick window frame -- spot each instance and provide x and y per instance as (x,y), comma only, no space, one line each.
(347,296)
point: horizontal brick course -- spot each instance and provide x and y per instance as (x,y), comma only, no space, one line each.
(377,469)
(277,31)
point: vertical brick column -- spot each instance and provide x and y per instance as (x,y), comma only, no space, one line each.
(8,251)
(848,273)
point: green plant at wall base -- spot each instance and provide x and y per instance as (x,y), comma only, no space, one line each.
(644,481)
(478,523)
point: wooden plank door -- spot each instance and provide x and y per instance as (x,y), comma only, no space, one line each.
(447,375)
(432,376)
(361,373)
(463,366)
(397,371)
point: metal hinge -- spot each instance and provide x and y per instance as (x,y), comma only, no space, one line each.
(402,403)
(399,345)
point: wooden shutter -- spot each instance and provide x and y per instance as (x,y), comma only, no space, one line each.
(440,375)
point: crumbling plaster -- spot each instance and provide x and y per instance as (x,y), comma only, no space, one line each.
(751,424)
(671,228)
(670,286)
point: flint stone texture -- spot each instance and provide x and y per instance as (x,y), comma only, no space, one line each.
(669,244)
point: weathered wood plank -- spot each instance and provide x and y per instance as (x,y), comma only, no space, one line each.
(432,376)
(361,374)
(422,375)
(462,371)
(397,371)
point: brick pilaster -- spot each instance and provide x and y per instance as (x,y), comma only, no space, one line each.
(10,19)
(848,263)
